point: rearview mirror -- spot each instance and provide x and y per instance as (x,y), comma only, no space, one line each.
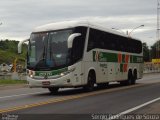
(71,38)
(20,45)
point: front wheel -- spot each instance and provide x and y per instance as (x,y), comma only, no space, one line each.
(91,81)
(53,90)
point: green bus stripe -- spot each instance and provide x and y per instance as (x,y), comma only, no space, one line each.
(113,57)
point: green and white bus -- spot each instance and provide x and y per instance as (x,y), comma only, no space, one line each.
(81,54)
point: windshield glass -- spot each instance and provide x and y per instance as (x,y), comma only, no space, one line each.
(49,50)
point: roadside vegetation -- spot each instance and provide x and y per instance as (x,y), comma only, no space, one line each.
(8,52)
(151,52)
(9,82)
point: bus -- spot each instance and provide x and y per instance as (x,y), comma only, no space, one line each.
(81,54)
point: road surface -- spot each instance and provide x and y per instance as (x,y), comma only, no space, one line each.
(75,103)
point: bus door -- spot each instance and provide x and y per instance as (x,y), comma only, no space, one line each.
(102,68)
(111,71)
(102,72)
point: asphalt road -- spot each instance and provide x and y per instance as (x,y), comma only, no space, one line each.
(111,101)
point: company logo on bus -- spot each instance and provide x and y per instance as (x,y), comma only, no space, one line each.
(99,56)
(45,74)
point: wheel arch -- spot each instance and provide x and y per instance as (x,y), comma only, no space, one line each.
(93,71)
(130,70)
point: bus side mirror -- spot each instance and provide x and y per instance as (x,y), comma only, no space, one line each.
(20,45)
(71,38)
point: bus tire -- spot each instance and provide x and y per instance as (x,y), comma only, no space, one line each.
(53,90)
(130,78)
(90,81)
(134,77)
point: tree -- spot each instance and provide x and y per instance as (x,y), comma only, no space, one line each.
(8,52)
(155,51)
(146,51)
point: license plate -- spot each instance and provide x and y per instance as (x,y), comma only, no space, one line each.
(46,83)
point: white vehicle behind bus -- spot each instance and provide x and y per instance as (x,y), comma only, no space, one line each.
(81,54)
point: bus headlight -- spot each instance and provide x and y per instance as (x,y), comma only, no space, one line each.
(62,74)
(31,76)
(67,72)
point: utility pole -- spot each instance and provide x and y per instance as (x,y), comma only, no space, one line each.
(158,31)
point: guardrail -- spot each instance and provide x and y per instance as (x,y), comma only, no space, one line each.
(16,76)
(151,71)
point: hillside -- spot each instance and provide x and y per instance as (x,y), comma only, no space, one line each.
(8,52)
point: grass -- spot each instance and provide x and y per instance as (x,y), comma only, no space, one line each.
(9,82)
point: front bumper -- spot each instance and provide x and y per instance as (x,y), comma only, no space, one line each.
(64,81)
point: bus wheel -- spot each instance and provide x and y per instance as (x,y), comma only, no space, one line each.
(134,77)
(53,90)
(91,81)
(128,81)
(130,78)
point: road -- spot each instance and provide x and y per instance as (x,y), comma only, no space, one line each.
(112,101)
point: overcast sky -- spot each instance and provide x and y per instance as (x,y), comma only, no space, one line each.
(20,17)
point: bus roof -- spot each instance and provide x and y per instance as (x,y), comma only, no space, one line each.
(76,23)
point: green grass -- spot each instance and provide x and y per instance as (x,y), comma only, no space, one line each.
(9,57)
(9,82)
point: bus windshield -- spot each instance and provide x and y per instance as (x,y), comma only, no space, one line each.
(49,50)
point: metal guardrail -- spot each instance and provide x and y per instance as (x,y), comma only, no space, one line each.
(150,67)
(19,76)
(151,71)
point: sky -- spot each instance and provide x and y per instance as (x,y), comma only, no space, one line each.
(20,17)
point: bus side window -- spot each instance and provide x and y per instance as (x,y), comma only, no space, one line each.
(106,40)
(111,45)
(78,44)
(102,44)
(92,40)
(77,51)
